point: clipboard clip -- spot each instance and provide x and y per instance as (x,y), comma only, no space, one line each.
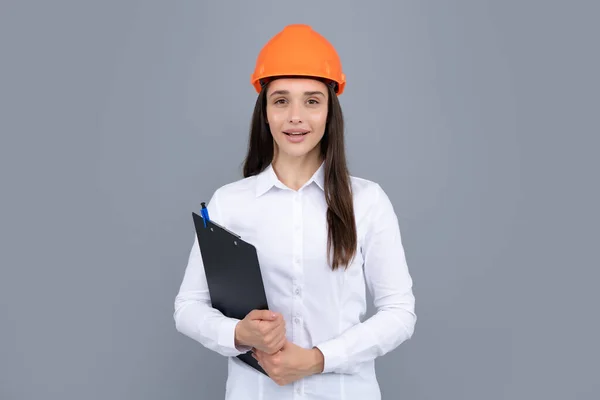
(206,218)
(204,213)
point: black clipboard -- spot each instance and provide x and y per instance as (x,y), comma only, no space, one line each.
(233,274)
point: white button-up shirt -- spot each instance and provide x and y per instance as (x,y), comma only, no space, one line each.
(321,307)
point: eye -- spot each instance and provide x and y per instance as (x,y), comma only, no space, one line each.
(313,101)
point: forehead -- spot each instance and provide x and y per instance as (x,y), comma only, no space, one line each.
(297,85)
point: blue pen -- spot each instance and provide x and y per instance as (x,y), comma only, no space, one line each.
(204,213)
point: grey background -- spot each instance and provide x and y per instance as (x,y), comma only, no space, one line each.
(479,118)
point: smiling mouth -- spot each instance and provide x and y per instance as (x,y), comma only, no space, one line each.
(295,133)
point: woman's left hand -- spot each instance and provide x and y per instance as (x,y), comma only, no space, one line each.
(291,363)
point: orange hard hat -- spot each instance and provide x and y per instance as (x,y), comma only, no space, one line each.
(298,50)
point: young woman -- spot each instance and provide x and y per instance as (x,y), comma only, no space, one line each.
(322,236)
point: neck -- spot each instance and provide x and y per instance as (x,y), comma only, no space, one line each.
(294,172)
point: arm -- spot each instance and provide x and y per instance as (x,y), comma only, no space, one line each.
(194,316)
(390,283)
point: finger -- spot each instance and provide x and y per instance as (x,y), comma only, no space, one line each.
(271,326)
(282,334)
(278,324)
(276,345)
(281,343)
(277,339)
(262,314)
(276,320)
(280,340)
(272,338)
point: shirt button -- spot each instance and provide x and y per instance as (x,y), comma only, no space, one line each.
(298,291)
(298,390)
(297,320)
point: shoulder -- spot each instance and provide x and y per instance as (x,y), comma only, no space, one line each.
(231,196)
(371,201)
(232,190)
(367,191)
(234,194)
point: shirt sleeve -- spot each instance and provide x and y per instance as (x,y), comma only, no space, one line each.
(194,316)
(389,282)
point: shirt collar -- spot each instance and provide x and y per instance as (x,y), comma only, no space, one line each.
(267,179)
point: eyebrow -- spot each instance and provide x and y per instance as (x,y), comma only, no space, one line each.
(311,93)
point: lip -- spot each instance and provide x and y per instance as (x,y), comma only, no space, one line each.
(296,135)
(296,130)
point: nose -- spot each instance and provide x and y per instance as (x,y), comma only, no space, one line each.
(295,113)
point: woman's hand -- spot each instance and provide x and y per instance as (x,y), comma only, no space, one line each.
(262,329)
(291,363)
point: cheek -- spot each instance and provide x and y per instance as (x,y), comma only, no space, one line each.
(275,121)
(319,120)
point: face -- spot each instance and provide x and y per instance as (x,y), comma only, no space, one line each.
(297,115)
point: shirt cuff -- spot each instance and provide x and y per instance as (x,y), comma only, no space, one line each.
(334,355)
(227,336)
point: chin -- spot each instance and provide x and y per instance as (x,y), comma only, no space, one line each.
(296,151)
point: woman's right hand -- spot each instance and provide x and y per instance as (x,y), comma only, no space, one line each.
(263,330)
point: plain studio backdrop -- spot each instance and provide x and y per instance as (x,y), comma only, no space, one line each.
(478,118)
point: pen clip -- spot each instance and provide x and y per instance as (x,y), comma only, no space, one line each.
(204,213)
(205,218)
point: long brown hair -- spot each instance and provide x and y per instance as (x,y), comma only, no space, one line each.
(341,236)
